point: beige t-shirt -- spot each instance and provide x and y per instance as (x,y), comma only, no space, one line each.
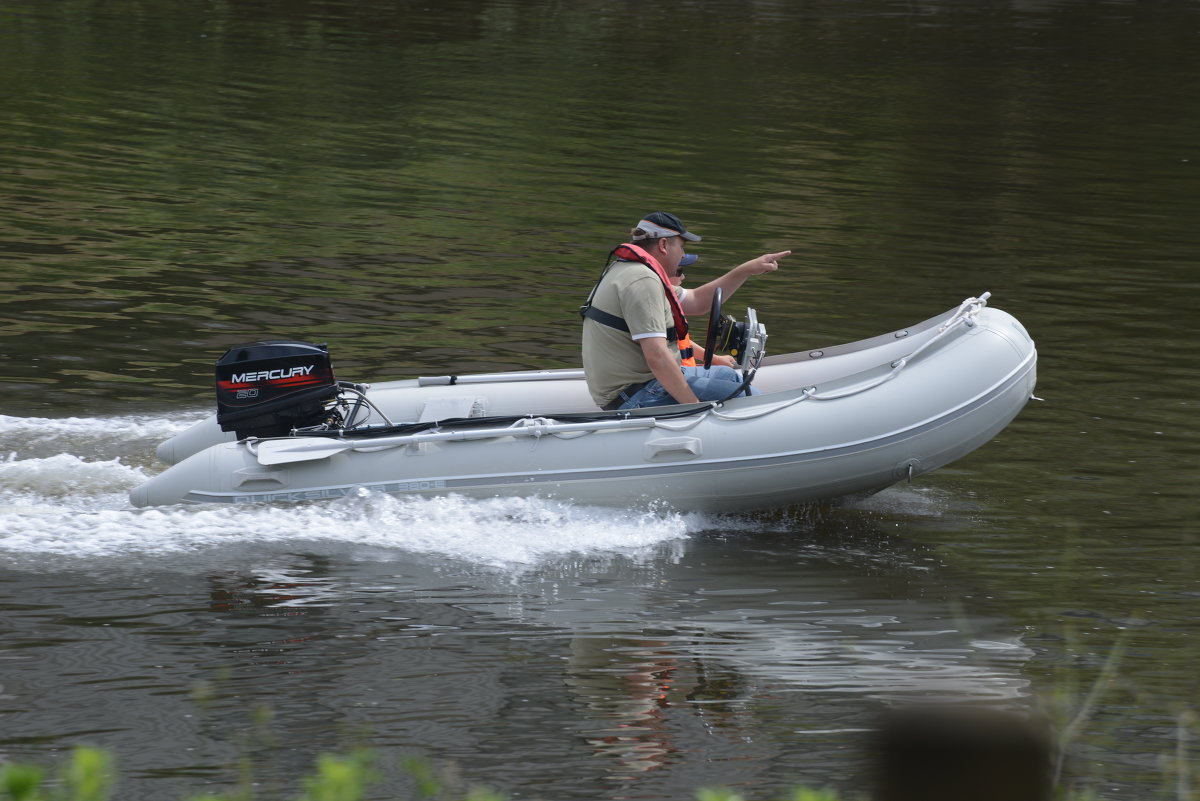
(612,359)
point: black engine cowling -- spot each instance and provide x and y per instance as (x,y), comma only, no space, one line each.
(265,389)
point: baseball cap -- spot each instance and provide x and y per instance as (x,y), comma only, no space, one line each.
(688,260)
(661,224)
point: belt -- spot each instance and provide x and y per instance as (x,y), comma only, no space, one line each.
(624,395)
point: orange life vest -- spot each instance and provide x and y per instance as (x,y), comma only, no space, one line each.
(687,351)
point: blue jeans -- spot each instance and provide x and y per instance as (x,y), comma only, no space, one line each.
(714,384)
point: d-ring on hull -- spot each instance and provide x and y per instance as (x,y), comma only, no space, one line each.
(842,421)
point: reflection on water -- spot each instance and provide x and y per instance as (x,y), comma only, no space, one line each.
(634,657)
(453,626)
(433,187)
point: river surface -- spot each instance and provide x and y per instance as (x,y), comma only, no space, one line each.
(433,187)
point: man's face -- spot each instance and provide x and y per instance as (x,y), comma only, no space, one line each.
(674,254)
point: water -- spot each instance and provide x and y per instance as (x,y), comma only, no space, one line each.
(610,649)
(433,187)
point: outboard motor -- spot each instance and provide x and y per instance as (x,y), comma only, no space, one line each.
(265,389)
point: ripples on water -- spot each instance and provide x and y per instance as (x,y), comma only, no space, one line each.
(626,629)
(65,482)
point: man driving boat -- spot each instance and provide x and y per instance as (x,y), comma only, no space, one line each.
(635,317)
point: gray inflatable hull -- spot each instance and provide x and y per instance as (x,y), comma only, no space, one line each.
(842,421)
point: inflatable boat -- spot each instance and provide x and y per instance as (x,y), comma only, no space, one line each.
(834,422)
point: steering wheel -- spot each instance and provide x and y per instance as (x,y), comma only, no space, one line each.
(714,321)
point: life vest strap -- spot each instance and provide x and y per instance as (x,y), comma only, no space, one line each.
(613,321)
(628,252)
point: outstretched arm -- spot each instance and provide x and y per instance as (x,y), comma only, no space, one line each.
(699,300)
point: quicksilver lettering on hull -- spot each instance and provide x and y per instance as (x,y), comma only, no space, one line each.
(318,494)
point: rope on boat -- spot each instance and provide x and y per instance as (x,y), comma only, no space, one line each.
(537,427)
(964,315)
